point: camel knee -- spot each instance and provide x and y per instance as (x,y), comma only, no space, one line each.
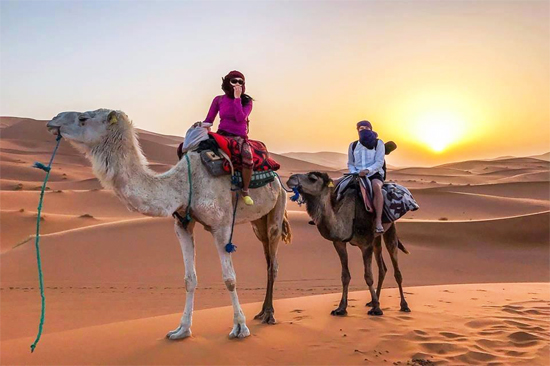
(398,277)
(230,283)
(346,278)
(274,233)
(369,280)
(273,269)
(191,282)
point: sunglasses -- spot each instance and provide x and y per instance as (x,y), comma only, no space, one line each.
(236,81)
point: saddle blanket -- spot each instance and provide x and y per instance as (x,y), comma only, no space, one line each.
(260,156)
(398,200)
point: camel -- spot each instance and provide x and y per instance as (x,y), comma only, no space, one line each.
(109,141)
(345,221)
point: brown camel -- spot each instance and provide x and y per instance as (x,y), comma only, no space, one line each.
(347,221)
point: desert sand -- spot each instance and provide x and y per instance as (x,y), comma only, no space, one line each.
(477,278)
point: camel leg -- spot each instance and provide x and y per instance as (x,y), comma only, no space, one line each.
(381,266)
(346,278)
(390,238)
(221,236)
(367,261)
(268,230)
(187,244)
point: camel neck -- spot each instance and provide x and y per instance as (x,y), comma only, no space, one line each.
(124,169)
(327,218)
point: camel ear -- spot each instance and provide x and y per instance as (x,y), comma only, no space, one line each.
(330,184)
(112,118)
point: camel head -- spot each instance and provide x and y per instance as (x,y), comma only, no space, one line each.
(312,183)
(87,129)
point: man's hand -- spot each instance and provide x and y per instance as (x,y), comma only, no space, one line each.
(363,173)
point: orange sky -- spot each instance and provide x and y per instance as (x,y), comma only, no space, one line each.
(469,77)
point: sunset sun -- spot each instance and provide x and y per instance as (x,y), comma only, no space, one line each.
(439,130)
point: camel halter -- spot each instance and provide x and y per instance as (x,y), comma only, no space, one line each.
(47,169)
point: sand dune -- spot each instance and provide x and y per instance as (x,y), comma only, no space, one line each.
(19,227)
(545,156)
(328,159)
(450,205)
(474,325)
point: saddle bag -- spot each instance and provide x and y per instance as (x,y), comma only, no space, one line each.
(213,163)
(398,200)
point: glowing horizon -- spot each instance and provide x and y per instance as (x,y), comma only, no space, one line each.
(446,81)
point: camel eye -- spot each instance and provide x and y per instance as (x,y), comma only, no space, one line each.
(312,178)
(82,118)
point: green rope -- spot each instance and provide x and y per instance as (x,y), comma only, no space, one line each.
(47,169)
(187,215)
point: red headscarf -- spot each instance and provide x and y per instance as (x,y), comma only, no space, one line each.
(226,82)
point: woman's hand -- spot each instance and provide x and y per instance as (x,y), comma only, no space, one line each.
(237,91)
(363,173)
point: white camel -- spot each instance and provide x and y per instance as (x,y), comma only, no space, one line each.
(109,140)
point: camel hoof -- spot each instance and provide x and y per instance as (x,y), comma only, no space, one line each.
(179,333)
(339,312)
(405,309)
(239,331)
(267,318)
(376,311)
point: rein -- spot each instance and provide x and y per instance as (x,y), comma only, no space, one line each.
(47,169)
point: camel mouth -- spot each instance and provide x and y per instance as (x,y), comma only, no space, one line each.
(293,182)
(53,129)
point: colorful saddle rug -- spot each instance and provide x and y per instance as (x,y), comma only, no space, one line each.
(217,165)
(260,155)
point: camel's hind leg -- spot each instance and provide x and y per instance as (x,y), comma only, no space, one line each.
(381,266)
(391,240)
(346,278)
(367,261)
(269,230)
(185,237)
(221,237)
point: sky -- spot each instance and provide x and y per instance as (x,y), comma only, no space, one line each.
(445,80)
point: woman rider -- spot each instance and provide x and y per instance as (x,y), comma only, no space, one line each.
(366,158)
(234,108)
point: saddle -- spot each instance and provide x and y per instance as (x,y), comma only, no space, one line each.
(398,200)
(220,155)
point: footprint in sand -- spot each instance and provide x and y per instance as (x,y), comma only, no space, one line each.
(442,348)
(522,337)
(451,335)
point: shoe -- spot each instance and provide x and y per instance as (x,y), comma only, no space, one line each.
(248,200)
(379,229)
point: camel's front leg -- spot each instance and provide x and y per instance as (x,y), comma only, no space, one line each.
(240,330)
(346,278)
(185,237)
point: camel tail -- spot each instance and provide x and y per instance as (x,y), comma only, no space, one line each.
(286,234)
(402,247)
